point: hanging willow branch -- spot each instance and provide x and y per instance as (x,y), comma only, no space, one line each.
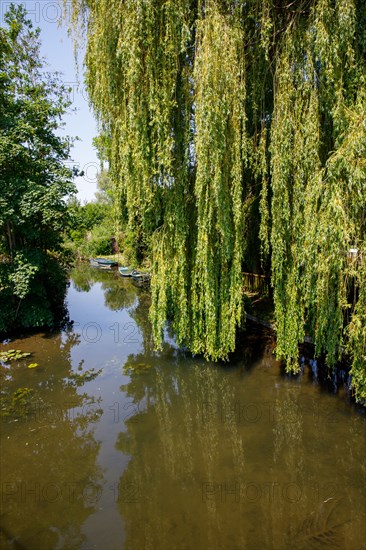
(237,135)
(219,188)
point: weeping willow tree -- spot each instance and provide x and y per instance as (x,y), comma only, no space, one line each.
(318,169)
(238,138)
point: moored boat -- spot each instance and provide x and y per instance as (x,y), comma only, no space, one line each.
(103,262)
(127,271)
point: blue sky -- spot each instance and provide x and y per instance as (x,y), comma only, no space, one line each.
(57,48)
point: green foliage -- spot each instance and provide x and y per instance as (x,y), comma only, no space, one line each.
(130,247)
(356,332)
(219,188)
(34,180)
(13,355)
(33,290)
(89,230)
(318,147)
(92,226)
(25,268)
(236,137)
(83,219)
(99,241)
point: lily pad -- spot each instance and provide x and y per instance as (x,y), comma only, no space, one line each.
(13,355)
(33,365)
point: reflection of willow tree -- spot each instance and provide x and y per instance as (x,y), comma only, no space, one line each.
(140,314)
(202,475)
(288,459)
(118,294)
(175,455)
(82,277)
(48,460)
(330,507)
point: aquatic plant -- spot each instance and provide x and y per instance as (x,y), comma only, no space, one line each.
(13,355)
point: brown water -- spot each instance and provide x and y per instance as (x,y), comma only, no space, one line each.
(165,451)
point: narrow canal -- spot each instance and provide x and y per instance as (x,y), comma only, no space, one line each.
(110,445)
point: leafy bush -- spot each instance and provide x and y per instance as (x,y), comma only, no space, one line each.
(99,241)
(32,290)
(34,180)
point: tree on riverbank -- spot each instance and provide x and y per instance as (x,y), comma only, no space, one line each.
(238,138)
(34,180)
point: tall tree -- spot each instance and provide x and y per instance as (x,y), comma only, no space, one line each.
(238,135)
(34,179)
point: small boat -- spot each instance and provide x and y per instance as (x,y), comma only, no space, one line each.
(102,262)
(127,272)
(105,261)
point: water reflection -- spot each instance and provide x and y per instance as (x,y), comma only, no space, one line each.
(216,464)
(161,450)
(49,476)
(116,295)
